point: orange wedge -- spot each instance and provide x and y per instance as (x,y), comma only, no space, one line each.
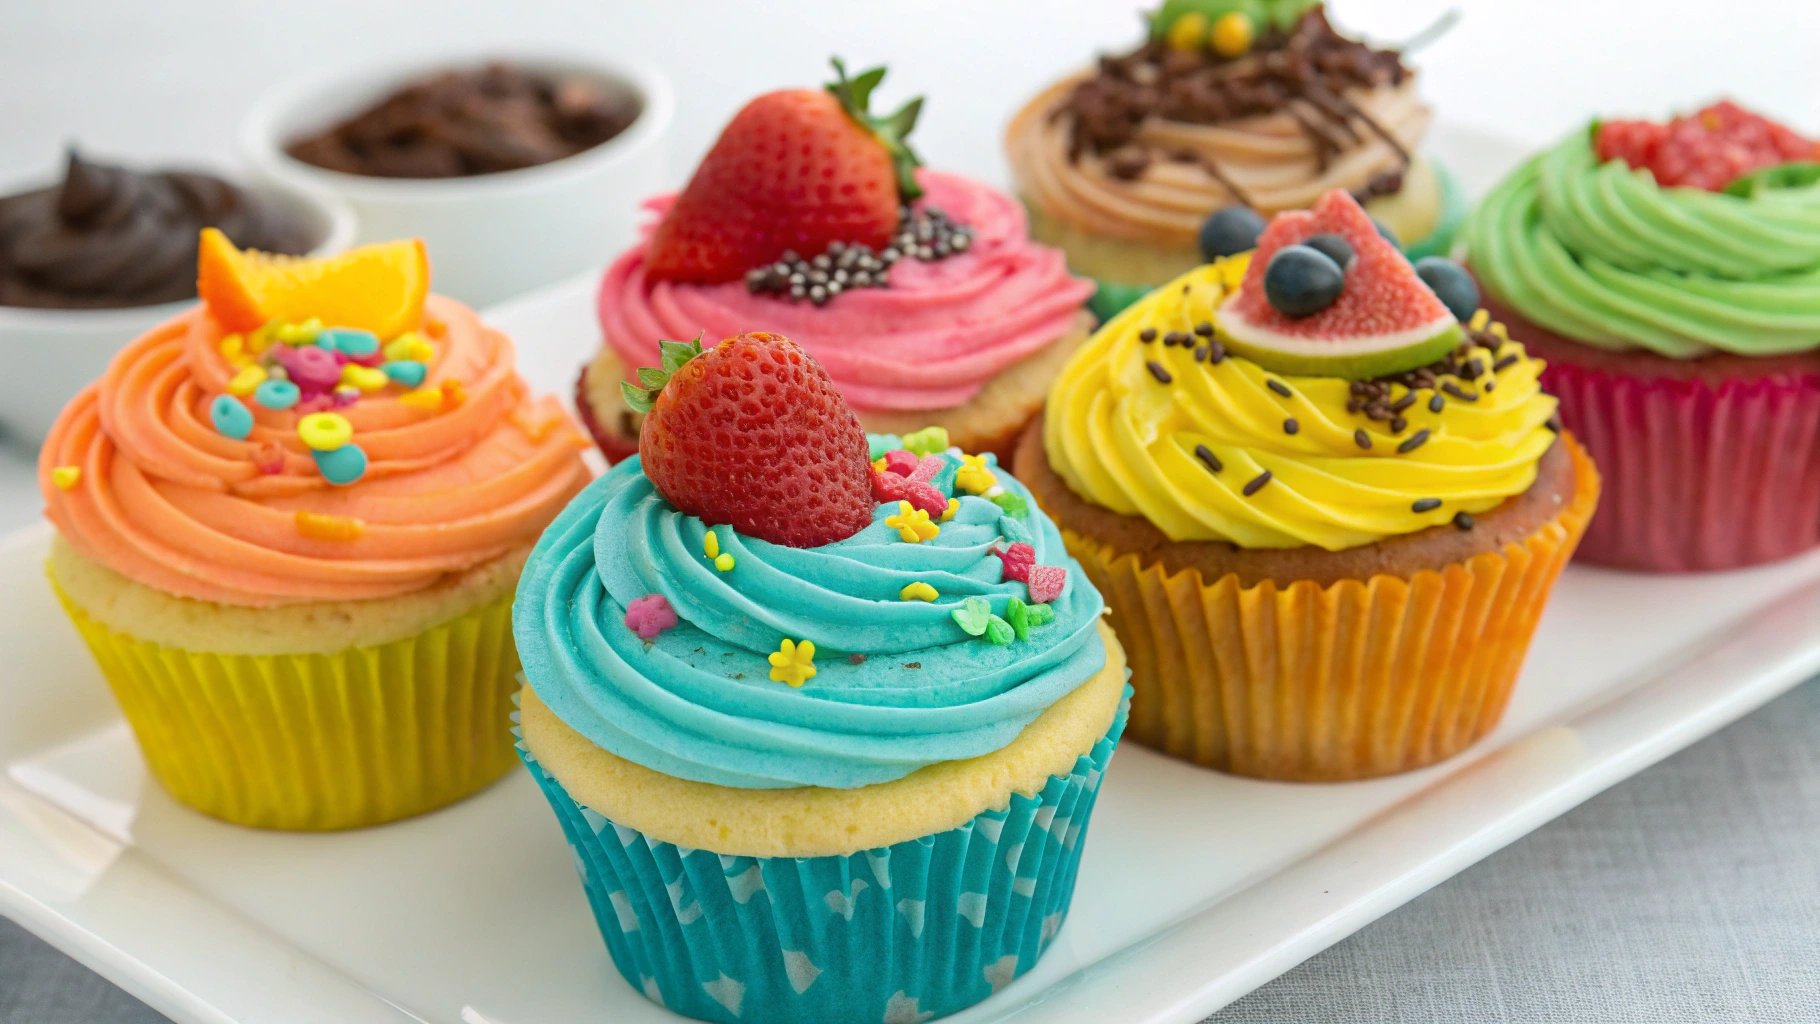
(378,287)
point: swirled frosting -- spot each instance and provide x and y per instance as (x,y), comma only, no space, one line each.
(164,498)
(899,684)
(1123,438)
(1271,158)
(929,341)
(109,236)
(1597,252)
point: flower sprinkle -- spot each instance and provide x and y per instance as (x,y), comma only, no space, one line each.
(793,663)
(650,615)
(912,524)
(974,476)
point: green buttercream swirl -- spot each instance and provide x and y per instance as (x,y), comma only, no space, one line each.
(1599,253)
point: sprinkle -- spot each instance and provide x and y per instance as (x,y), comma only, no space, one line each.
(912,524)
(1040,615)
(364,377)
(409,346)
(927,441)
(710,544)
(408,372)
(322,526)
(1200,354)
(954,505)
(650,615)
(453,393)
(1046,583)
(1454,390)
(1425,505)
(1017,613)
(299,334)
(233,349)
(1462,521)
(918,591)
(435,328)
(325,431)
(341,466)
(973,616)
(1291,427)
(1279,387)
(1204,329)
(1408,399)
(276,394)
(351,340)
(878,464)
(1505,363)
(793,662)
(724,562)
(1479,320)
(1216,353)
(1176,338)
(66,477)
(231,417)
(424,399)
(973,476)
(1257,483)
(1015,562)
(1361,438)
(1435,403)
(1414,441)
(999,632)
(1205,454)
(1010,504)
(1147,335)
(1156,370)
(1397,423)
(901,461)
(856,659)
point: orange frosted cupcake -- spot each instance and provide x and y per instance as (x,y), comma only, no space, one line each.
(289,526)
(1324,512)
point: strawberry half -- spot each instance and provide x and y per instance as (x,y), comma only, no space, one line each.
(753,434)
(794,170)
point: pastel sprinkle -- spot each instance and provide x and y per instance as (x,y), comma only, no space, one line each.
(408,372)
(325,431)
(974,477)
(912,524)
(1479,319)
(276,394)
(246,381)
(723,562)
(322,526)
(66,477)
(409,345)
(954,505)
(878,464)
(1039,615)
(233,349)
(300,334)
(927,441)
(999,632)
(1011,504)
(423,399)
(364,377)
(879,444)
(918,591)
(351,340)
(650,615)
(1018,614)
(342,466)
(1046,582)
(710,544)
(793,662)
(231,417)
(973,616)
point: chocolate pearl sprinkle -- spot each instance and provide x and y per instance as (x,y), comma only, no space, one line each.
(1414,441)
(1257,483)
(1205,454)
(1362,439)
(1156,370)
(1462,521)
(1147,335)
(1425,505)
(1435,403)
(1398,424)
(1204,329)
(1291,427)
(1279,387)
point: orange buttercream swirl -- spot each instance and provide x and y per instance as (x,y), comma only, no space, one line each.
(165,499)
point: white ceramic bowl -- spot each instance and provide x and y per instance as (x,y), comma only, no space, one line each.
(490,236)
(50,354)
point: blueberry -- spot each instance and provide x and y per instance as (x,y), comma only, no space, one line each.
(1389,235)
(1451,284)
(1230,230)
(1302,281)
(1335,248)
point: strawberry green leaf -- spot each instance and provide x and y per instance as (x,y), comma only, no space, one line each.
(636,397)
(652,378)
(892,131)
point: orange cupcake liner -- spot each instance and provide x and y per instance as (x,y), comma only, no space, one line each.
(1359,679)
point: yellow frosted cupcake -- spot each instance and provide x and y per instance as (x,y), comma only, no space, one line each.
(289,526)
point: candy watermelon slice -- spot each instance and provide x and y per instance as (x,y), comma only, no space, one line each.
(1385,321)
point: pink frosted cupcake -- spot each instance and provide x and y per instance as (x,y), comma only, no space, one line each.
(919,291)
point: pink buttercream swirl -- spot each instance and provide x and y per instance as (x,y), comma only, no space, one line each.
(929,341)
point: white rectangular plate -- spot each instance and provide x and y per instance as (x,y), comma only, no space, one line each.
(1195,889)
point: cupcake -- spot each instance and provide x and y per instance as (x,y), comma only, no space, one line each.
(1325,512)
(918,291)
(1250,107)
(289,524)
(824,737)
(1670,274)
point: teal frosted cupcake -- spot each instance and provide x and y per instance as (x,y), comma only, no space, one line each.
(824,733)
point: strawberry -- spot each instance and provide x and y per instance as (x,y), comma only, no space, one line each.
(794,170)
(753,434)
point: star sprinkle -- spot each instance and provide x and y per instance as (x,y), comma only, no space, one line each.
(793,663)
(912,524)
(650,615)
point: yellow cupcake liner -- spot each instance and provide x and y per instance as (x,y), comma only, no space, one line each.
(1358,679)
(314,742)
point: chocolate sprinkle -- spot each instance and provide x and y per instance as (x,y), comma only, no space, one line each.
(1462,520)
(1257,483)
(1279,387)
(1147,335)
(1435,403)
(1398,424)
(1454,390)
(1200,354)
(1361,438)
(1205,454)
(1415,440)
(1176,338)
(1156,370)
(1425,505)
(1291,427)
(1204,329)
(1505,363)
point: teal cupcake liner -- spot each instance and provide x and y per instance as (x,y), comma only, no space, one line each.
(904,933)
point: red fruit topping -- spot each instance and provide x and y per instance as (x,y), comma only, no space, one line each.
(753,434)
(927,498)
(888,487)
(1019,560)
(901,462)
(794,170)
(927,468)
(1046,582)
(1709,149)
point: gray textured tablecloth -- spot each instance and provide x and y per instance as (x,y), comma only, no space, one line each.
(1688,894)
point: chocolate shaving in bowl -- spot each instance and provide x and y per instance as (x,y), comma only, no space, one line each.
(461,123)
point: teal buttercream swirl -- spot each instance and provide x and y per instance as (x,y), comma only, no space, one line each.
(898,685)
(1599,253)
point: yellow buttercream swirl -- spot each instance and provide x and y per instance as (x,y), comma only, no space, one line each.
(1125,439)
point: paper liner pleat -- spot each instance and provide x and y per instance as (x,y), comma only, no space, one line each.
(1697,476)
(1296,681)
(311,742)
(903,933)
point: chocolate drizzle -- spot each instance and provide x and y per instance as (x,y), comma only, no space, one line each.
(1305,72)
